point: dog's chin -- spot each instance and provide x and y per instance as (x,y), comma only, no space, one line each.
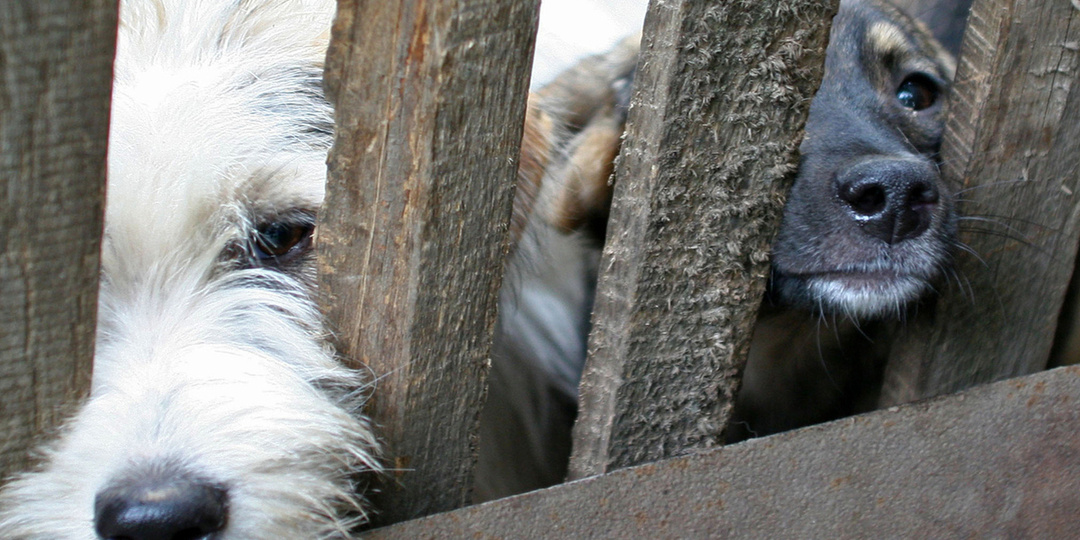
(869,295)
(860,295)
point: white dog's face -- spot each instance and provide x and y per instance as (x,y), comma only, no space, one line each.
(217,409)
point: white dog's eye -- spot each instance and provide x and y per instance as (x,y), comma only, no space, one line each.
(279,241)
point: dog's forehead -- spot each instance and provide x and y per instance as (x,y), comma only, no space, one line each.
(888,37)
(179,143)
(201,143)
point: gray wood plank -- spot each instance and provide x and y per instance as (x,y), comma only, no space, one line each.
(55,83)
(721,94)
(1012,147)
(430,97)
(1000,461)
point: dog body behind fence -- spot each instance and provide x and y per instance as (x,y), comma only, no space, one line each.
(216,406)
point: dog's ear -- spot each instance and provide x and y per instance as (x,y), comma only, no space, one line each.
(575,192)
(573,131)
(577,94)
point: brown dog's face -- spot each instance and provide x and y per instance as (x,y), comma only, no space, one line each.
(869,226)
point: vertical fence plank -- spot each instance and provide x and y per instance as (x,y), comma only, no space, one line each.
(721,95)
(55,81)
(430,99)
(1013,145)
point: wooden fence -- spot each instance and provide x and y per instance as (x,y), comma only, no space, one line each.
(56,69)
(999,460)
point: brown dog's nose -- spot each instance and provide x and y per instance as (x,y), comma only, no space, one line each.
(891,199)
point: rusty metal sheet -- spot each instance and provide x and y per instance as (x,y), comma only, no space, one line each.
(997,461)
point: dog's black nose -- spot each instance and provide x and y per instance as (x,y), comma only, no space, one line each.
(892,199)
(160,508)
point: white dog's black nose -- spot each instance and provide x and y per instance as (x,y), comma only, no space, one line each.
(160,508)
(892,199)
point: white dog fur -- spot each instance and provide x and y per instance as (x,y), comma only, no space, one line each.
(212,374)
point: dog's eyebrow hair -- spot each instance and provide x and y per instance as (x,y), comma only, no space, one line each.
(312,86)
(887,39)
(303,102)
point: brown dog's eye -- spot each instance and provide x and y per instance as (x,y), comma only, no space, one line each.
(279,241)
(917,92)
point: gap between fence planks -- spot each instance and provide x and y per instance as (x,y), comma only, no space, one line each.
(55,83)
(430,100)
(721,95)
(1012,147)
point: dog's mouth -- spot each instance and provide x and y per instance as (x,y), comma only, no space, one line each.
(868,294)
(869,291)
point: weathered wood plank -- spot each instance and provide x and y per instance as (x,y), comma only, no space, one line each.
(1012,145)
(430,98)
(994,462)
(55,83)
(721,94)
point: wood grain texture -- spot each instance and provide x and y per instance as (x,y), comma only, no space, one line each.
(1012,145)
(55,82)
(721,94)
(430,98)
(936,469)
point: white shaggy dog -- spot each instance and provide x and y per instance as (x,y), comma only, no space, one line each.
(217,410)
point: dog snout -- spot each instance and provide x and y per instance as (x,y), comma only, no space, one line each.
(891,199)
(160,507)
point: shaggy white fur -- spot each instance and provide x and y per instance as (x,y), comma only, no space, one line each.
(217,409)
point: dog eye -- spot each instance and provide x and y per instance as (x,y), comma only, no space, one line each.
(280,241)
(917,92)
